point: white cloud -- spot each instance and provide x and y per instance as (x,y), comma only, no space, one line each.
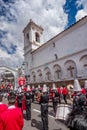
(80,14)
(3,54)
(83,12)
(47,13)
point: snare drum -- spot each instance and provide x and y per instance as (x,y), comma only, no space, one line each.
(62,111)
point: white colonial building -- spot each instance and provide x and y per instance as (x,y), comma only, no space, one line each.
(61,59)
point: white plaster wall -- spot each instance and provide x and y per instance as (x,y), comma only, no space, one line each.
(61,63)
(71,43)
(71,46)
(30,35)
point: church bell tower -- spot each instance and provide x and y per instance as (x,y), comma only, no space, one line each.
(33,36)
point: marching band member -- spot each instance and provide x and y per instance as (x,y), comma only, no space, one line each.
(59,92)
(77,120)
(65,92)
(78,96)
(33,93)
(55,98)
(44,107)
(83,90)
(28,97)
(19,100)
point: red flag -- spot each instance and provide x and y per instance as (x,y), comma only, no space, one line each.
(21,81)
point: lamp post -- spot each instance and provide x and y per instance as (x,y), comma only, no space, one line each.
(26,70)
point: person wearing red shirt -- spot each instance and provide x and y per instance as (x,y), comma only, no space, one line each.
(3,108)
(59,92)
(83,90)
(64,92)
(12,119)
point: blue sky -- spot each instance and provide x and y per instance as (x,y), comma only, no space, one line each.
(15,14)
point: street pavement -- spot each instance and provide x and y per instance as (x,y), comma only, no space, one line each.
(36,124)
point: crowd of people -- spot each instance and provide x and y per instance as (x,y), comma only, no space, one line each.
(11,115)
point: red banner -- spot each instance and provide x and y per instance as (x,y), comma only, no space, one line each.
(21,81)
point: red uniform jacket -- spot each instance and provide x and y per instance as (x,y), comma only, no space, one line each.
(83,91)
(3,108)
(58,90)
(64,91)
(12,119)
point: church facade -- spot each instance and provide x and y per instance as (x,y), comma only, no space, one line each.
(61,59)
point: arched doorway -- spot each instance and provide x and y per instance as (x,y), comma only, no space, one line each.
(8,76)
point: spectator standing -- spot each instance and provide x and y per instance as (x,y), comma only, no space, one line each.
(65,92)
(12,118)
(55,98)
(3,108)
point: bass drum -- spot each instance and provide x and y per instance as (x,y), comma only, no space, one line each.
(62,111)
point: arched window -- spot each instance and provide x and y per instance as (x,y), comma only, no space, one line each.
(83,62)
(33,76)
(37,37)
(57,72)
(39,73)
(47,74)
(71,70)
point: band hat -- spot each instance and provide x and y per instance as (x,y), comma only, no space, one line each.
(22,87)
(44,88)
(85,85)
(33,87)
(77,86)
(38,86)
(54,86)
(28,88)
(19,90)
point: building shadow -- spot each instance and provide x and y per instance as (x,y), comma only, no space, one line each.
(36,124)
(51,112)
(60,121)
(39,115)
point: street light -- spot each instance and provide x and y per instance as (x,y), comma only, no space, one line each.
(26,70)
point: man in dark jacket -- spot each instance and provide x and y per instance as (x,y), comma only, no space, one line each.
(44,107)
(28,97)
